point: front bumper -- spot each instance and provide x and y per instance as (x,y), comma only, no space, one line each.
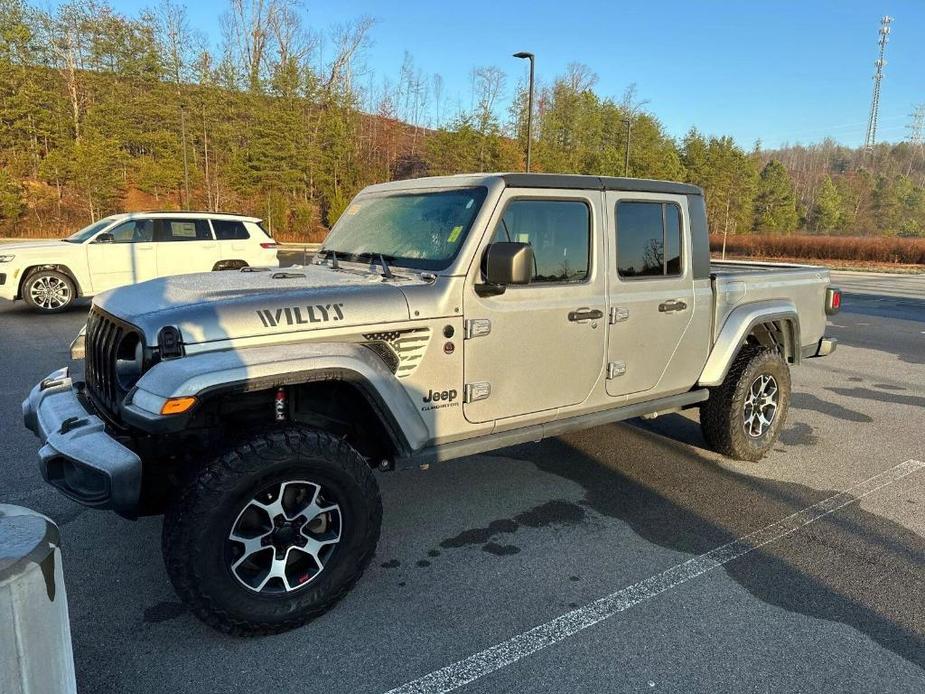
(78,456)
(8,285)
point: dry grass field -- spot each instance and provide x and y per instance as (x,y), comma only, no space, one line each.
(856,252)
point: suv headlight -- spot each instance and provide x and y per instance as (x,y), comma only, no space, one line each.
(6,258)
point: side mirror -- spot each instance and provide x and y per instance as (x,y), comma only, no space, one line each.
(104,238)
(506,262)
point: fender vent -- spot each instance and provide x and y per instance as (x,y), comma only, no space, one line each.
(385,353)
(405,348)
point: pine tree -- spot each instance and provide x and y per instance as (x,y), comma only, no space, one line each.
(826,213)
(775,202)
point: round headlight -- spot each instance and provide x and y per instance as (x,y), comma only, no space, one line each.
(129,361)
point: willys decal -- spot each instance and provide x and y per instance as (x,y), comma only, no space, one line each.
(300,315)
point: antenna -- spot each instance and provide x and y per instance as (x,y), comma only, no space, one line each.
(917,126)
(871,138)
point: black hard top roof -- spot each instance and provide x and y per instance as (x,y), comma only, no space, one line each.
(582,182)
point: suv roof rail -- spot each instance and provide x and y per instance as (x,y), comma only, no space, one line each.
(205,212)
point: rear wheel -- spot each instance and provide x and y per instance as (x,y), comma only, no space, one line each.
(49,291)
(744,416)
(273,533)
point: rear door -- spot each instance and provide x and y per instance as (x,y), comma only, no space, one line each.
(233,239)
(185,246)
(652,289)
(540,346)
(127,259)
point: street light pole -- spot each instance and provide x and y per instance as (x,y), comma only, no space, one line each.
(531,58)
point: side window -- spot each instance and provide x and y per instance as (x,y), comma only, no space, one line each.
(229,230)
(558,230)
(648,239)
(136,231)
(183,230)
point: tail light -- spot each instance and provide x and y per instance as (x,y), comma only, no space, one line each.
(269,245)
(832,301)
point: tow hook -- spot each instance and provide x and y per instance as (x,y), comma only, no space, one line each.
(280,404)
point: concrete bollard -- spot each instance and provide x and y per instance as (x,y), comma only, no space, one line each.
(35,635)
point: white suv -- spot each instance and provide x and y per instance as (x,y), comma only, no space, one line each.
(130,248)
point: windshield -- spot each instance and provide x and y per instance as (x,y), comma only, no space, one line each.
(423,231)
(88,231)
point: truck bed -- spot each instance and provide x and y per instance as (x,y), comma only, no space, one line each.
(737,282)
(745,267)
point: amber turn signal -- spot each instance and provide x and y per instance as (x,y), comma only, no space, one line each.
(178,405)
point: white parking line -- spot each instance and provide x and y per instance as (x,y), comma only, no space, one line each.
(507,652)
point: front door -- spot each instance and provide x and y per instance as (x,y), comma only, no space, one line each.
(652,289)
(185,246)
(539,346)
(127,258)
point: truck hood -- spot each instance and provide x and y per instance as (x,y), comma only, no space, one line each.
(216,306)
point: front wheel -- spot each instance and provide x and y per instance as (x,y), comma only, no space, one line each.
(744,415)
(273,533)
(49,291)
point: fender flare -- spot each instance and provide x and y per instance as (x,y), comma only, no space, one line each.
(209,374)
(30,270)
(739,325)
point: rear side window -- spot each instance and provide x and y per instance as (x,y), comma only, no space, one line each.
(559,232)
(648,239)
(183,230)
(229,230)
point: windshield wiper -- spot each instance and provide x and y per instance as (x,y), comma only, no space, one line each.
(382,258)
(332,254)
(386,271)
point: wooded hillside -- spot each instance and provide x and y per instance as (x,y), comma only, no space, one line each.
(101,112)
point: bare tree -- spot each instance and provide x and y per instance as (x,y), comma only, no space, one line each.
(437,90)
(630,103)
(487,85)
(176,39)
(292,45)
(247,26)
(349,40)
(579,77)
(65,39)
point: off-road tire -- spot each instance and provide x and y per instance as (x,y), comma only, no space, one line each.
(197,523)
(54,279)
(722,417)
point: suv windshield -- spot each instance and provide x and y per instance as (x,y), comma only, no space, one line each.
(423,231)
(88,231)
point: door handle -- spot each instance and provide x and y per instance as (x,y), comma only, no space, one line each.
(583,314)
(671,305)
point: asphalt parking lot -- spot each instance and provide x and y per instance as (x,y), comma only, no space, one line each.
(491,569)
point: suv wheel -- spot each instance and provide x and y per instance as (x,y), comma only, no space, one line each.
(273,533)
(48,291)
(743,417)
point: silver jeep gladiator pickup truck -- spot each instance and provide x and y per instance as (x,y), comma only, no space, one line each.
(442,317)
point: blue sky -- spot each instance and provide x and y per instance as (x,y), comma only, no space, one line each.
(779,71)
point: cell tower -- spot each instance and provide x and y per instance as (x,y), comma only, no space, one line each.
(917,126)
(878,76)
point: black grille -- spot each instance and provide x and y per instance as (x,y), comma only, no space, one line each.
(104,334)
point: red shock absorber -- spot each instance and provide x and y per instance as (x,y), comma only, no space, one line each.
(280,404)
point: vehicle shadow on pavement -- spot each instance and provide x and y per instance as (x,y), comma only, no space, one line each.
(851,566)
